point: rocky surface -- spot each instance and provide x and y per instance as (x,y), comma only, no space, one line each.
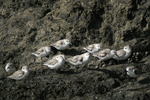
(26,25)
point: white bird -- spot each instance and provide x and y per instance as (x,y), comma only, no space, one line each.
(132,71)
(105,54)
(61,44)
(79,59)
(123,54)
(56,62)
(10,68)
(42,52)
(20,74)
(93,48)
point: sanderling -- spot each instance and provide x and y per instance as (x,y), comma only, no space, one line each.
(10,68)
(61,44)
(132,71)
(42,52)
(20,74)
(93,48)
(105,54)
(123,54)
(56,62)
(79,59)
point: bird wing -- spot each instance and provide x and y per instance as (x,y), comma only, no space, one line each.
(58,43)
(18,73)
(103,53)
(90,47)
(120,53)
(52,62)
(75,59)
(80,58)
(39,51)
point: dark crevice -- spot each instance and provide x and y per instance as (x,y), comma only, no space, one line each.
(45,12)
(132,10)
(96,18)
(143,23)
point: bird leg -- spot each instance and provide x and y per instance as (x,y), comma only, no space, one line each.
(41,60)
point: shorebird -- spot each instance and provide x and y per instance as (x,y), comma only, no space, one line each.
(20,74)
(105,54)
(93,48)
(61,44)
(132,71)
(42,52)
(79,59)
(56,62)
(10,68)
(123,54)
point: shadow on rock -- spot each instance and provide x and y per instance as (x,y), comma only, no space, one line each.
(54,50)
(112,74)
(145,81)
(67,72)
(71,52)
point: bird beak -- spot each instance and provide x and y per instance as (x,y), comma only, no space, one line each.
(70,43)
(64,58)
(94,55)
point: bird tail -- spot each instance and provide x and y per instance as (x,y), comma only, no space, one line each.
(9,77)
(84,48)
(33,53)
(44,63)
(94,55)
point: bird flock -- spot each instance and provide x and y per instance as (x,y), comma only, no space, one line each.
(59,60)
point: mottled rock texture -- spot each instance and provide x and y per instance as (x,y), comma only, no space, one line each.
(27,25)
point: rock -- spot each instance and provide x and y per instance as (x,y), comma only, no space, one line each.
(30,24)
